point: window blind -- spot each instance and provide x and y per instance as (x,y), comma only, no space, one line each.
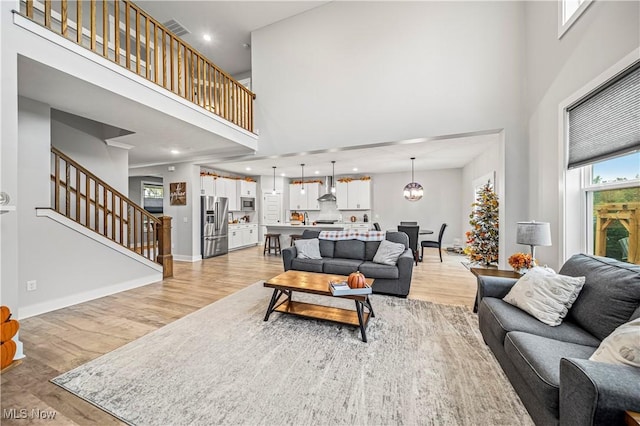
(606,123)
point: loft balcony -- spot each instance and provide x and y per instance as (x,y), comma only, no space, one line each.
(123,33)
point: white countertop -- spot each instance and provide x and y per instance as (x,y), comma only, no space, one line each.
(320,225)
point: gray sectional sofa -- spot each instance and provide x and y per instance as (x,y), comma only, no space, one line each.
(347,256)
(549,366)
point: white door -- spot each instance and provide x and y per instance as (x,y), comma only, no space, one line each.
(272,209)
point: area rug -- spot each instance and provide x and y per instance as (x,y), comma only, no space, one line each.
(424,363)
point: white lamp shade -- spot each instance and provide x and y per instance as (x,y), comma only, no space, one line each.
(534,233)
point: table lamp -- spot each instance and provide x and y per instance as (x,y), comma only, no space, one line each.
(534,234)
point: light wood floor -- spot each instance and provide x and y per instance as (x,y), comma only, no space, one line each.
(62,340)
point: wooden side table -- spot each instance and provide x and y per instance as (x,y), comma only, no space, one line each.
(491,272)
(631,418)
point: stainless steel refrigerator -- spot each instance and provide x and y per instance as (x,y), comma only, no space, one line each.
(213,219)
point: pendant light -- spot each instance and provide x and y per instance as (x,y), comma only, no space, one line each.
(413,191)
(302,188)
(274,180)
(333,177)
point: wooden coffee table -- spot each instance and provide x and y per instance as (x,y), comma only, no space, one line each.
(316,283)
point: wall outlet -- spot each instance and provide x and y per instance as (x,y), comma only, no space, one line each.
(185,219)
(32,285)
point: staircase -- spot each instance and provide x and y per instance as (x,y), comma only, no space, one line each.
(122,32)
(87,200)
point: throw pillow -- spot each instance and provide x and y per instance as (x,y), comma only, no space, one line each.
(545,295)
(388,253)
(621,347)
(308,249)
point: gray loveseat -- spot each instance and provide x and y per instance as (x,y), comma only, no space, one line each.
(549,366)
(347,256)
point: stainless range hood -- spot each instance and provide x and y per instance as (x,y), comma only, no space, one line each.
(328,196)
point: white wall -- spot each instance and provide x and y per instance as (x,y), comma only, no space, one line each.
(185,223)
(9,162)
(488,165)
(135,187)
(604,34)
(441,202)
(80,140)
(354,73)
(66,265)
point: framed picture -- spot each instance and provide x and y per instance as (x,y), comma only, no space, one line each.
(178,194)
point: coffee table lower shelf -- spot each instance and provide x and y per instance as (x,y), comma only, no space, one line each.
(327,313)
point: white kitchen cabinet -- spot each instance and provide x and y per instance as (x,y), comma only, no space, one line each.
(247,189)
(207,185)
(231,193)
(235,237)
(359,195)
(297,201)
(341,195)
(358,226)
(250,235)
(242,235)
(354,195)
(306,201)
(219,187)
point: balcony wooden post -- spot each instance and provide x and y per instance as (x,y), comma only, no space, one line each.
(165,258)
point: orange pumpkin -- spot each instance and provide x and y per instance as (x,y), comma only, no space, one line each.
(7,352)
(356,280)
(8,330)
(5,313)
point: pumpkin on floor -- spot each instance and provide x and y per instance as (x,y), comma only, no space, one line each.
(356,280)
(8,329)
(7,352)
(5,313)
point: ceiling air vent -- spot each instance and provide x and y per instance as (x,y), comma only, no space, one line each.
(176,27)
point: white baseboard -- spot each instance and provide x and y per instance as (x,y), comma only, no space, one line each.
(63,302)
(182,258)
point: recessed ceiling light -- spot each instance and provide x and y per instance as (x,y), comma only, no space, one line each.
(248,169)
(317,172)
(206,37)
(175,151)
(282,174)
(355,169)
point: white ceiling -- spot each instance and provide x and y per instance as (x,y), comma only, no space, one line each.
(232,23)
(229,23)
(153,135)
(430,153)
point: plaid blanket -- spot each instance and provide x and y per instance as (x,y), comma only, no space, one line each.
(352,234)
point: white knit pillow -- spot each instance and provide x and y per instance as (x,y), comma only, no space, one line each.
(545,295)
(621,347)
(388,253)
(308,248)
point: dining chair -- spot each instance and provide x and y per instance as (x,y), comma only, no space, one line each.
(412,232)
(434,244)
(376,226)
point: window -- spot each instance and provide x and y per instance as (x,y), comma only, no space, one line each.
(568,12)
(612,189)
(153,197)
(602,178)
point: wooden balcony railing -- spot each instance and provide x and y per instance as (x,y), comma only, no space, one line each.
(125,34)
(84,198)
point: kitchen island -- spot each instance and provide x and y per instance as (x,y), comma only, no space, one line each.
(287,229)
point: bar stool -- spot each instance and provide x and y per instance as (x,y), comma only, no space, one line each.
(271,241)
(295,237)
